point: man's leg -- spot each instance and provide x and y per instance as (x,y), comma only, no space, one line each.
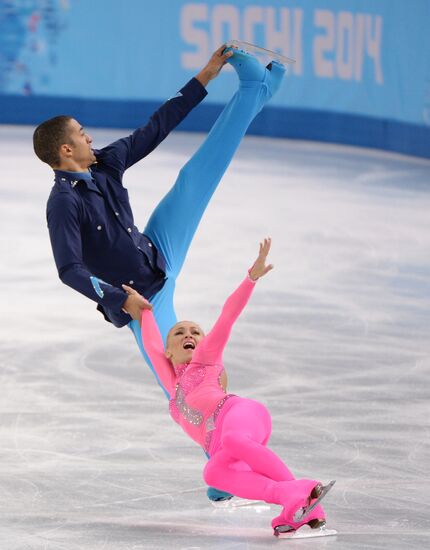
(175,220)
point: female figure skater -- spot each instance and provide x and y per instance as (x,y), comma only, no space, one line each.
(231,429)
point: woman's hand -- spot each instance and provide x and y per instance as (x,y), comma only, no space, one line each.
(259,269)
(135,303)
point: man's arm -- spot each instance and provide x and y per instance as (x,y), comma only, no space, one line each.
(64,231)
(214,66)
(125,152)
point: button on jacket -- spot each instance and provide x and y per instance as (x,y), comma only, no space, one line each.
(96,245)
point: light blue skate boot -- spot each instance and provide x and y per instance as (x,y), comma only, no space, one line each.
(249,69)
(274,73)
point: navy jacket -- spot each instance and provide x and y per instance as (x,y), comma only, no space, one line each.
(96,245)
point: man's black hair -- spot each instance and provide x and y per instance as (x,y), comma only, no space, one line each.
(48,138)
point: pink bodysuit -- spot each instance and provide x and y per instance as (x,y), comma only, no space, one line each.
(233,430)
(196,394)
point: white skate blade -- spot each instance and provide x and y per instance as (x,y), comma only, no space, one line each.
(237,502)
(303,512)
(306,532)
(252,48)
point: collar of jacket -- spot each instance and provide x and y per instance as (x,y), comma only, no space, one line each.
(72,179)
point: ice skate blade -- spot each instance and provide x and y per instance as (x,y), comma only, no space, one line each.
(252,48)
(303,512)
(236,502)
(306,532)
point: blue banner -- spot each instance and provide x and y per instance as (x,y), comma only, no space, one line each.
(359,58)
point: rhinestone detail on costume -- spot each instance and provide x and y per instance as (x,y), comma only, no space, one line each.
(191,378)
(211,421)
(193,416)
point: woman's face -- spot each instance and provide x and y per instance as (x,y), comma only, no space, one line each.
(182,340)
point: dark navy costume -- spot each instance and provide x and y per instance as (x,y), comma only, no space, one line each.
(93,235)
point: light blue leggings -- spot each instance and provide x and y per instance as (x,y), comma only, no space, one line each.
(175,220)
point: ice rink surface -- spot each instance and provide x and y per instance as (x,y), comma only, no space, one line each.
(335,341)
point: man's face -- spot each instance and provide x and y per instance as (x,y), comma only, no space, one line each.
(80,145)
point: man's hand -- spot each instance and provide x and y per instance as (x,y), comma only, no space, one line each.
(135,303)
(259,269)
(215,64)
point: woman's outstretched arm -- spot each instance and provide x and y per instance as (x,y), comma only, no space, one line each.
(153,344)
(211,348)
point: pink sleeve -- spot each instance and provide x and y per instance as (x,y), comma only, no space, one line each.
(211,347)
(154,347)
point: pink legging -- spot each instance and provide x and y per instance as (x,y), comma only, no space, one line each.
(245,431)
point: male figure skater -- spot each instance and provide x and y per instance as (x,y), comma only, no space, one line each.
(96,245)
